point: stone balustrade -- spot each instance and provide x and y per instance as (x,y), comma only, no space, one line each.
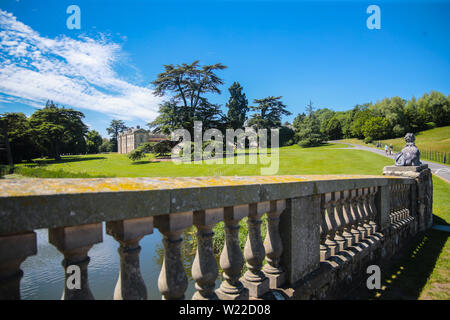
(310,220)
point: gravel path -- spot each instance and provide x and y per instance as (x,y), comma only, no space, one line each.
(440,170)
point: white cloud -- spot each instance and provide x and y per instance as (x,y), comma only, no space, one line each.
(72,72)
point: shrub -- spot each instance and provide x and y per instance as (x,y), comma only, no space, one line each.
(162,148)
(136,154)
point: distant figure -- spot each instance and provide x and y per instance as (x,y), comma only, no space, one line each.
(386,148)
(410,154)
(391,148)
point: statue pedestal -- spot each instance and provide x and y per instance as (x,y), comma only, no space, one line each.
(422,205)
(405,171)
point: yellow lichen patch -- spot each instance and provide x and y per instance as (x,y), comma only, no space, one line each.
(27,187)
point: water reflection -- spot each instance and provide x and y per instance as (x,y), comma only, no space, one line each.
(44,276)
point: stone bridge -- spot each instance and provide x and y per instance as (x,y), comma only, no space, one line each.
(322,231)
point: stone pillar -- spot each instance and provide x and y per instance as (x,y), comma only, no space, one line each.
(254,279)
(130,285)
(382,203)
(300,230)
(14,249)
(423,206)
(204,268)
(74,243)
(231,259)
(274,246)
(172,281)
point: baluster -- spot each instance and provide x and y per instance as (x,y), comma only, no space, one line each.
(340,221)
(130,285)
(357,201)
(355,231)
(372,209)
(324,251)
(204,268)
(350,237)
(74,243)
(172,281)
(14,249)
(365,211)
(273,245)
(331,224)
(254,279)
(231,259)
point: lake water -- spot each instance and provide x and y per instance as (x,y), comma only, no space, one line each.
(44,276)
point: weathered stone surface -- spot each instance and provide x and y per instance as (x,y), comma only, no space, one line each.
(382,203)
(273,245)
(172,281)
(204,267)
(130,284)
(74,243)
(421,205)
(29,204)
(410,155)
(254,279)
(292,243)
(299,226)
(231,259)
(14,249)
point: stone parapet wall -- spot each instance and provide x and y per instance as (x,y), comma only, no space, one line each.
(321,230)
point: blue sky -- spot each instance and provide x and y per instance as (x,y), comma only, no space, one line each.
(319,51)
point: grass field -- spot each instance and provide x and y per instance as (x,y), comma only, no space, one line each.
(437,139)
(422,274)
(329,159)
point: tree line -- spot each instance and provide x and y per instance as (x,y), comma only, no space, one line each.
(49,132)
(53,131)
(388,118)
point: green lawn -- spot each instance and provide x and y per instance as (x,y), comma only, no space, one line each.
(433,144)
(437,139)
(328,159)
(422,274)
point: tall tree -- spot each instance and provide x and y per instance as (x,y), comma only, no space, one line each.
(115,127)
(436,106)
(20,138)
(268,112)
(5,140)
(308,133)
(58,130)
(187,83)
(93,142)
(237,106)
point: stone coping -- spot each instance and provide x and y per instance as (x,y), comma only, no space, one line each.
(29,204)
(406,168)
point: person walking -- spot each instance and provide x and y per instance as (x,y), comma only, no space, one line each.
(386,148)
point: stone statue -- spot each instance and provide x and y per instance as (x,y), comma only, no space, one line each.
(410,154)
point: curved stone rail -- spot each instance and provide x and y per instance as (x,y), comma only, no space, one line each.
(310,218)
